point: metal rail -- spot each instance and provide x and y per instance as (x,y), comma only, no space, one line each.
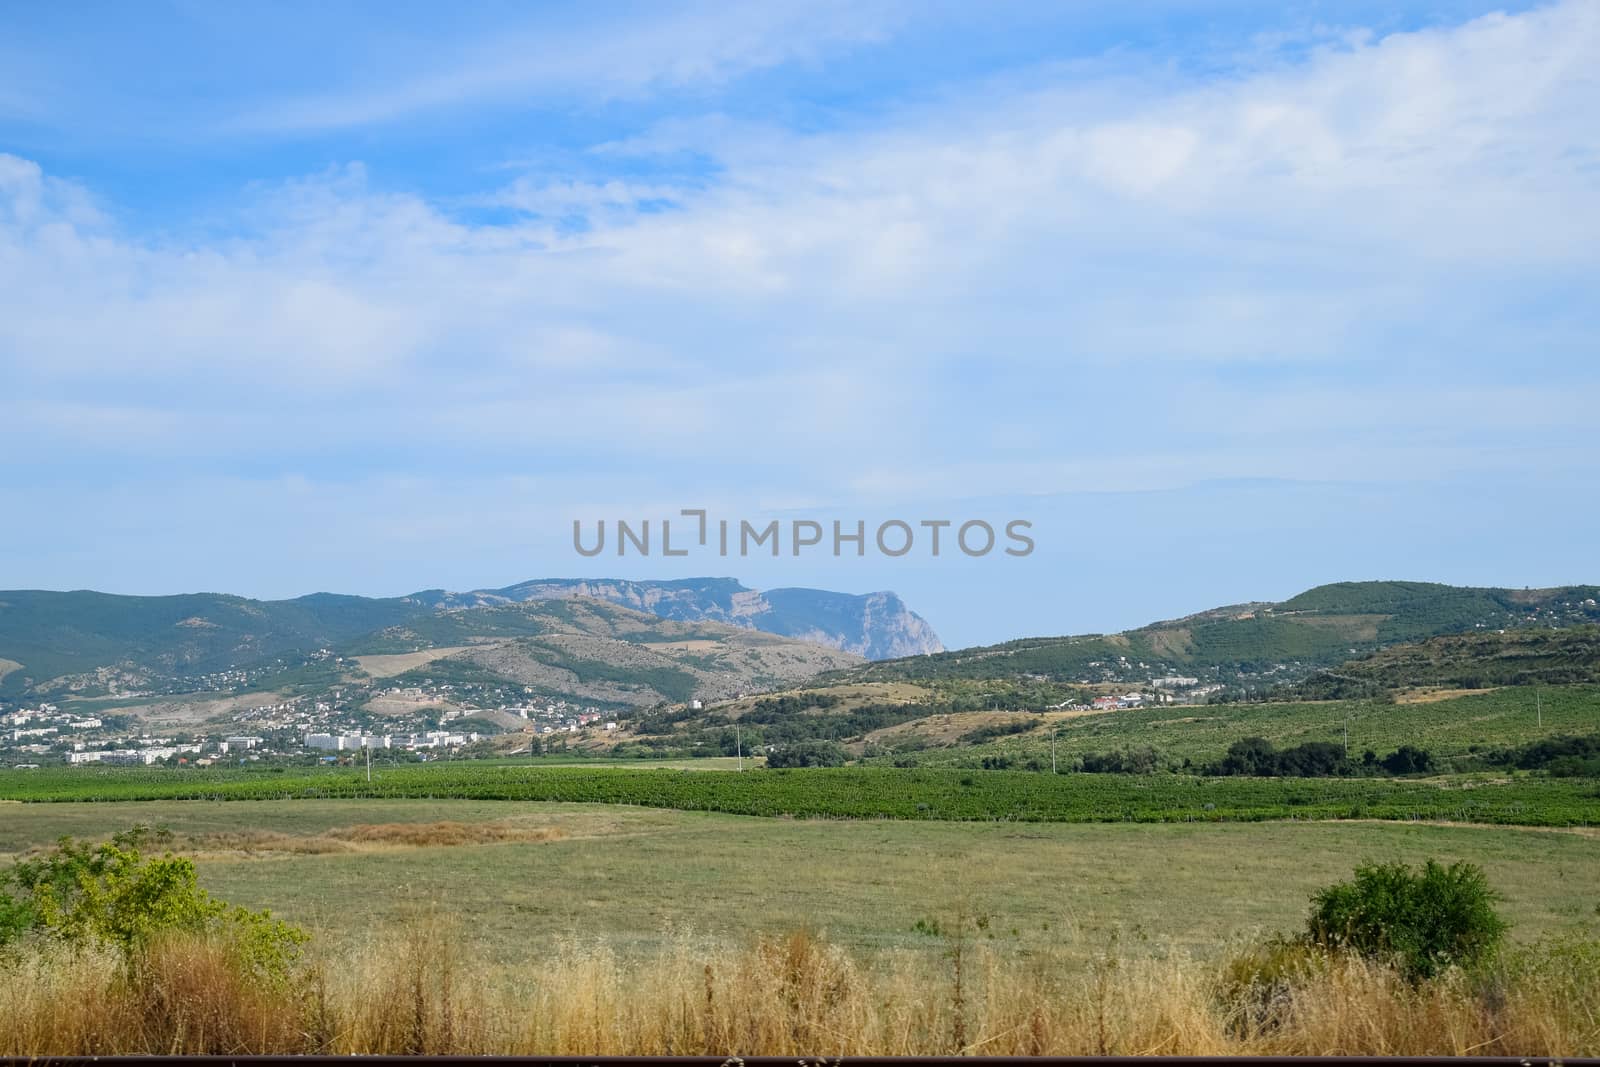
(801,1061)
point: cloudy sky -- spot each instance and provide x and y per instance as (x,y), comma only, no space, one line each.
(1227,299)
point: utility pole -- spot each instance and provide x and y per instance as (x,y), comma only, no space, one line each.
(1053,749)
(1538,704)
(738,747)
(1347,735)
(369,763)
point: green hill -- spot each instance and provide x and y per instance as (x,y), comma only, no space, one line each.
(95,643)
(1269,642)
(1477,660)
(64,635)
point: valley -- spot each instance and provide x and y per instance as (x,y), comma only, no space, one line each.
(566,793)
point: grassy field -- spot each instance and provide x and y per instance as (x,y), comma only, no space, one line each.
(1451,727)
(638,879)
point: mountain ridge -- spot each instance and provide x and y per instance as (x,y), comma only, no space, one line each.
(81,635)
(1263,641)
(876,625)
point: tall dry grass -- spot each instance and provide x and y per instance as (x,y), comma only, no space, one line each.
(418,992)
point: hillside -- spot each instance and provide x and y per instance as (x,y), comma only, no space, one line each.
(874,625)
(1259,644)
(1476,660)
(92,643)
(96,642)
(594,652)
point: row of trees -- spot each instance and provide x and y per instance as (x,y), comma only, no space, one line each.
(1258,758)
(1564,756)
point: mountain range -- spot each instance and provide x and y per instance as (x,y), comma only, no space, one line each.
(599,629)
(88,641)
(586,650)
(874,625)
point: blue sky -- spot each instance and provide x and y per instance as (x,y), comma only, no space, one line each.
(1227,299)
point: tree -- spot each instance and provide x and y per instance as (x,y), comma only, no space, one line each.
(1422,921)
(1408,759)
(807,754)
(1314,759)
(1252,756)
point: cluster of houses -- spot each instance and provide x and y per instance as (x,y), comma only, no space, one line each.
(1154,688)
(42,730)
(355,742)
(42,722)
(202,752)
(335,720)
(144,755)
(1169,689)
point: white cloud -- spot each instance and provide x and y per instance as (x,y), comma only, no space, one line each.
(801,321)
(660,48)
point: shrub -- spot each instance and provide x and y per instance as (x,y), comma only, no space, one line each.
(114,895)
(1422,921)
(1145,760)
(807,754)
(999,729)
(1569,767)
(16,918)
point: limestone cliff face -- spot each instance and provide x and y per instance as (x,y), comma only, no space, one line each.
(875,625)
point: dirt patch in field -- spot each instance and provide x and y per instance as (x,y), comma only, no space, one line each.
(1571,831)
(1433,696)
(366,837)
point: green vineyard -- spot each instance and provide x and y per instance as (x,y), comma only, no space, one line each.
(865,793)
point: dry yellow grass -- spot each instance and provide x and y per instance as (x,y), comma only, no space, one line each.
(416,992)
(1434,696)
(398,663)
(850,697)
(367,837)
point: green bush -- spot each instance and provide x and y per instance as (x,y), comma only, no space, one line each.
(113,894)
(1423,921)
(807,754)
(16,918)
